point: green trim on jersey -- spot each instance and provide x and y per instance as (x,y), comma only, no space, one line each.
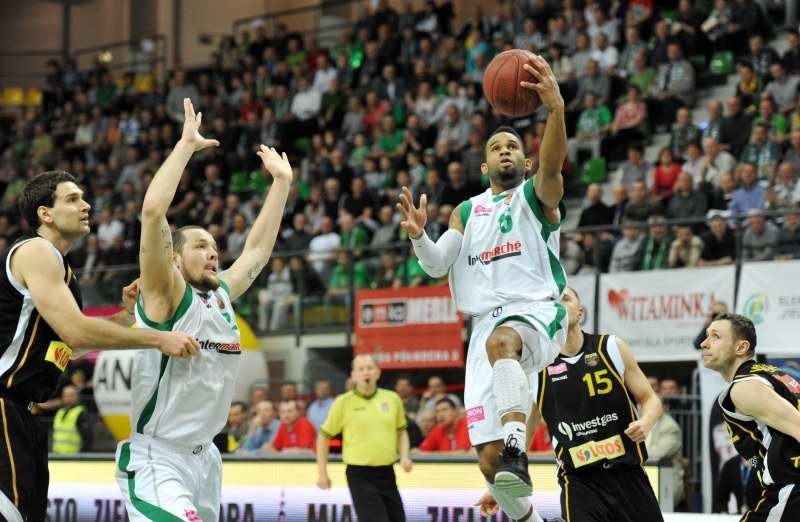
(150,511)
(533,201)
(147,412)
(166,326)
(465,211)
(547,228)
(224,286)
(550,329)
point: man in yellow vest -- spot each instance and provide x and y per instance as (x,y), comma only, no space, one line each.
(71,425)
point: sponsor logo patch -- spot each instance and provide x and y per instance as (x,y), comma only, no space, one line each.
(480,210)
(591,359)
(508,249)
(558,368)
(595,451)
(58,353)
(475,414)
(226,348)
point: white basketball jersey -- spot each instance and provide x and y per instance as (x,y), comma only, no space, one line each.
(509,252)
(186,400)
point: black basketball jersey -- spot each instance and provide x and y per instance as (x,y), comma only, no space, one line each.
(774,455)
(587,408)
(32,356)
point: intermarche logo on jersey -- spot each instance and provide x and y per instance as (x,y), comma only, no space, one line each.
(508,249)
(224,348)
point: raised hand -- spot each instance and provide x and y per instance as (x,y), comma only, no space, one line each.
(546,85)
(414,219)
(276,164)
(191,128)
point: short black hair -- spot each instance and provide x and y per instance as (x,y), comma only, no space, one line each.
(241,404)
(41,192)
(743,328)
(179,237)
(446,400)
(505,128)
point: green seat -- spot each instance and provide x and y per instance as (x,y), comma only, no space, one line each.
(303,144)
(593,171)
(257,182)
(722,63)
(698,60)
(240,181)
(670,15)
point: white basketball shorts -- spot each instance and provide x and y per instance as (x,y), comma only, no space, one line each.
(161,480)
(542,326)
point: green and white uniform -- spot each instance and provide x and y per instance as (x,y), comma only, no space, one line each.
(507,273)
(169,469)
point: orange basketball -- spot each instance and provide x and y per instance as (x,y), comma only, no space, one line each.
(501,84)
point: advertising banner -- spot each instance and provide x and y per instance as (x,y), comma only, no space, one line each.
(660,312)
(285,491)
(409,327)
(770,296)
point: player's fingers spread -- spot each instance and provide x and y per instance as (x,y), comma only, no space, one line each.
(533,70)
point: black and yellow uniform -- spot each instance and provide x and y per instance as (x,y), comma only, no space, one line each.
(370,427)
(584,401)
(32,359)
(774,455)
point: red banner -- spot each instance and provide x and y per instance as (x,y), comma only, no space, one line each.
(409,327)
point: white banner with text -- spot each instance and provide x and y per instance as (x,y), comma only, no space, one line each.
(660,312)
(769,294)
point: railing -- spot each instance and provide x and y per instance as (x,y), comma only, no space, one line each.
(310,307)
(146,54)
(307,19)
(25,66)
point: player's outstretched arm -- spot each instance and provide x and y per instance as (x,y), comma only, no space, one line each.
(43,275)
(758,400)
(435,258)
(650,405)
(553,151)
(161,283)
(261,239)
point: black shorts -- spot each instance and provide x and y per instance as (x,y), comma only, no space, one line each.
(24,476)
(781,504)
(617,494)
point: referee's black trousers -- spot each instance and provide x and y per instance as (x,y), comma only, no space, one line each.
(374,492)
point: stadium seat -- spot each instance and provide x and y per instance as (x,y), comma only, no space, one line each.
(33,97)
(240,181)
(13,97)
(722,63)
(593,171)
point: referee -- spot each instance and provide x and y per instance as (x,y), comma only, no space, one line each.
(373,427)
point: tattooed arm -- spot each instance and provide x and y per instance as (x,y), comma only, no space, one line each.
(261,239)
(161,283)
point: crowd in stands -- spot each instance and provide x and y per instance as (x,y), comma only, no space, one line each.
(396,101)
